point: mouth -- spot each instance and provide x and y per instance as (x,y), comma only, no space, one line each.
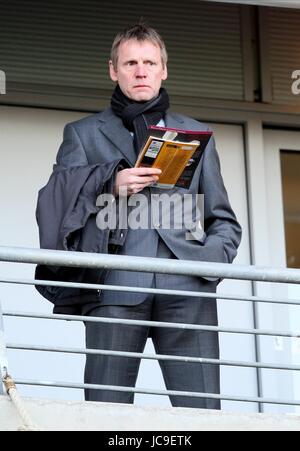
(142,86)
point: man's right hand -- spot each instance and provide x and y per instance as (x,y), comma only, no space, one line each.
(133,180)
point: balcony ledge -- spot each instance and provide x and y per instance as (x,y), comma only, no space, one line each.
(82,416)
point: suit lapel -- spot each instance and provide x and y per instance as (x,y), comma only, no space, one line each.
(112,127)
(119,137)
(173,121)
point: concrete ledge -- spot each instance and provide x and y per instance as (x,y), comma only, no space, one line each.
(79,416)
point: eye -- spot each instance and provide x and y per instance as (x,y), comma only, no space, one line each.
(130,63)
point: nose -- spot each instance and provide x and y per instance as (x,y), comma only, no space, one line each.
(140,71)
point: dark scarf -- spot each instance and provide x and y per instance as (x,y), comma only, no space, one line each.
(137,116)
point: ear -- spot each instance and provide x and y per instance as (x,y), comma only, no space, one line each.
(112,72)
(165,73)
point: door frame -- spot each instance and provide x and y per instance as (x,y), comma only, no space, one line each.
(266,209)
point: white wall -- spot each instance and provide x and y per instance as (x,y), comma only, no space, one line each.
(29,142)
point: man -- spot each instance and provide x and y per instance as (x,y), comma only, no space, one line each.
(109,143)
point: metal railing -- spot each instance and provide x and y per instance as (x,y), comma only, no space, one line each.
(98,261)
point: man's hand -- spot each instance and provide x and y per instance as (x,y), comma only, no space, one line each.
(133,180)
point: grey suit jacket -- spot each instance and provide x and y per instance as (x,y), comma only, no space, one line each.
(102,138)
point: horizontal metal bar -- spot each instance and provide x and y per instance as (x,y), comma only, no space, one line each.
(156,392)
(142,264)
(99,287)
(139,355)
(286,334)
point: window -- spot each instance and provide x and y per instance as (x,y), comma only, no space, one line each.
(290,169)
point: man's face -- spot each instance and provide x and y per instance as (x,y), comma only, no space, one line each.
(139,70)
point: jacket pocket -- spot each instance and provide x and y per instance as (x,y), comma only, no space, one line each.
(196,235)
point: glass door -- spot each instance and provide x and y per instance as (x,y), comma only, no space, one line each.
(290,173)
(283,193)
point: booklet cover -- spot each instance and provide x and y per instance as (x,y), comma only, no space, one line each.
(176,152)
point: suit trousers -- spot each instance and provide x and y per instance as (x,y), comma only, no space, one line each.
(178,376)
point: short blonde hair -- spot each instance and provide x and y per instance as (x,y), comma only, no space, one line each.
(140,32)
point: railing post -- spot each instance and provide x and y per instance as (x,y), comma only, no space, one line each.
(3,354)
